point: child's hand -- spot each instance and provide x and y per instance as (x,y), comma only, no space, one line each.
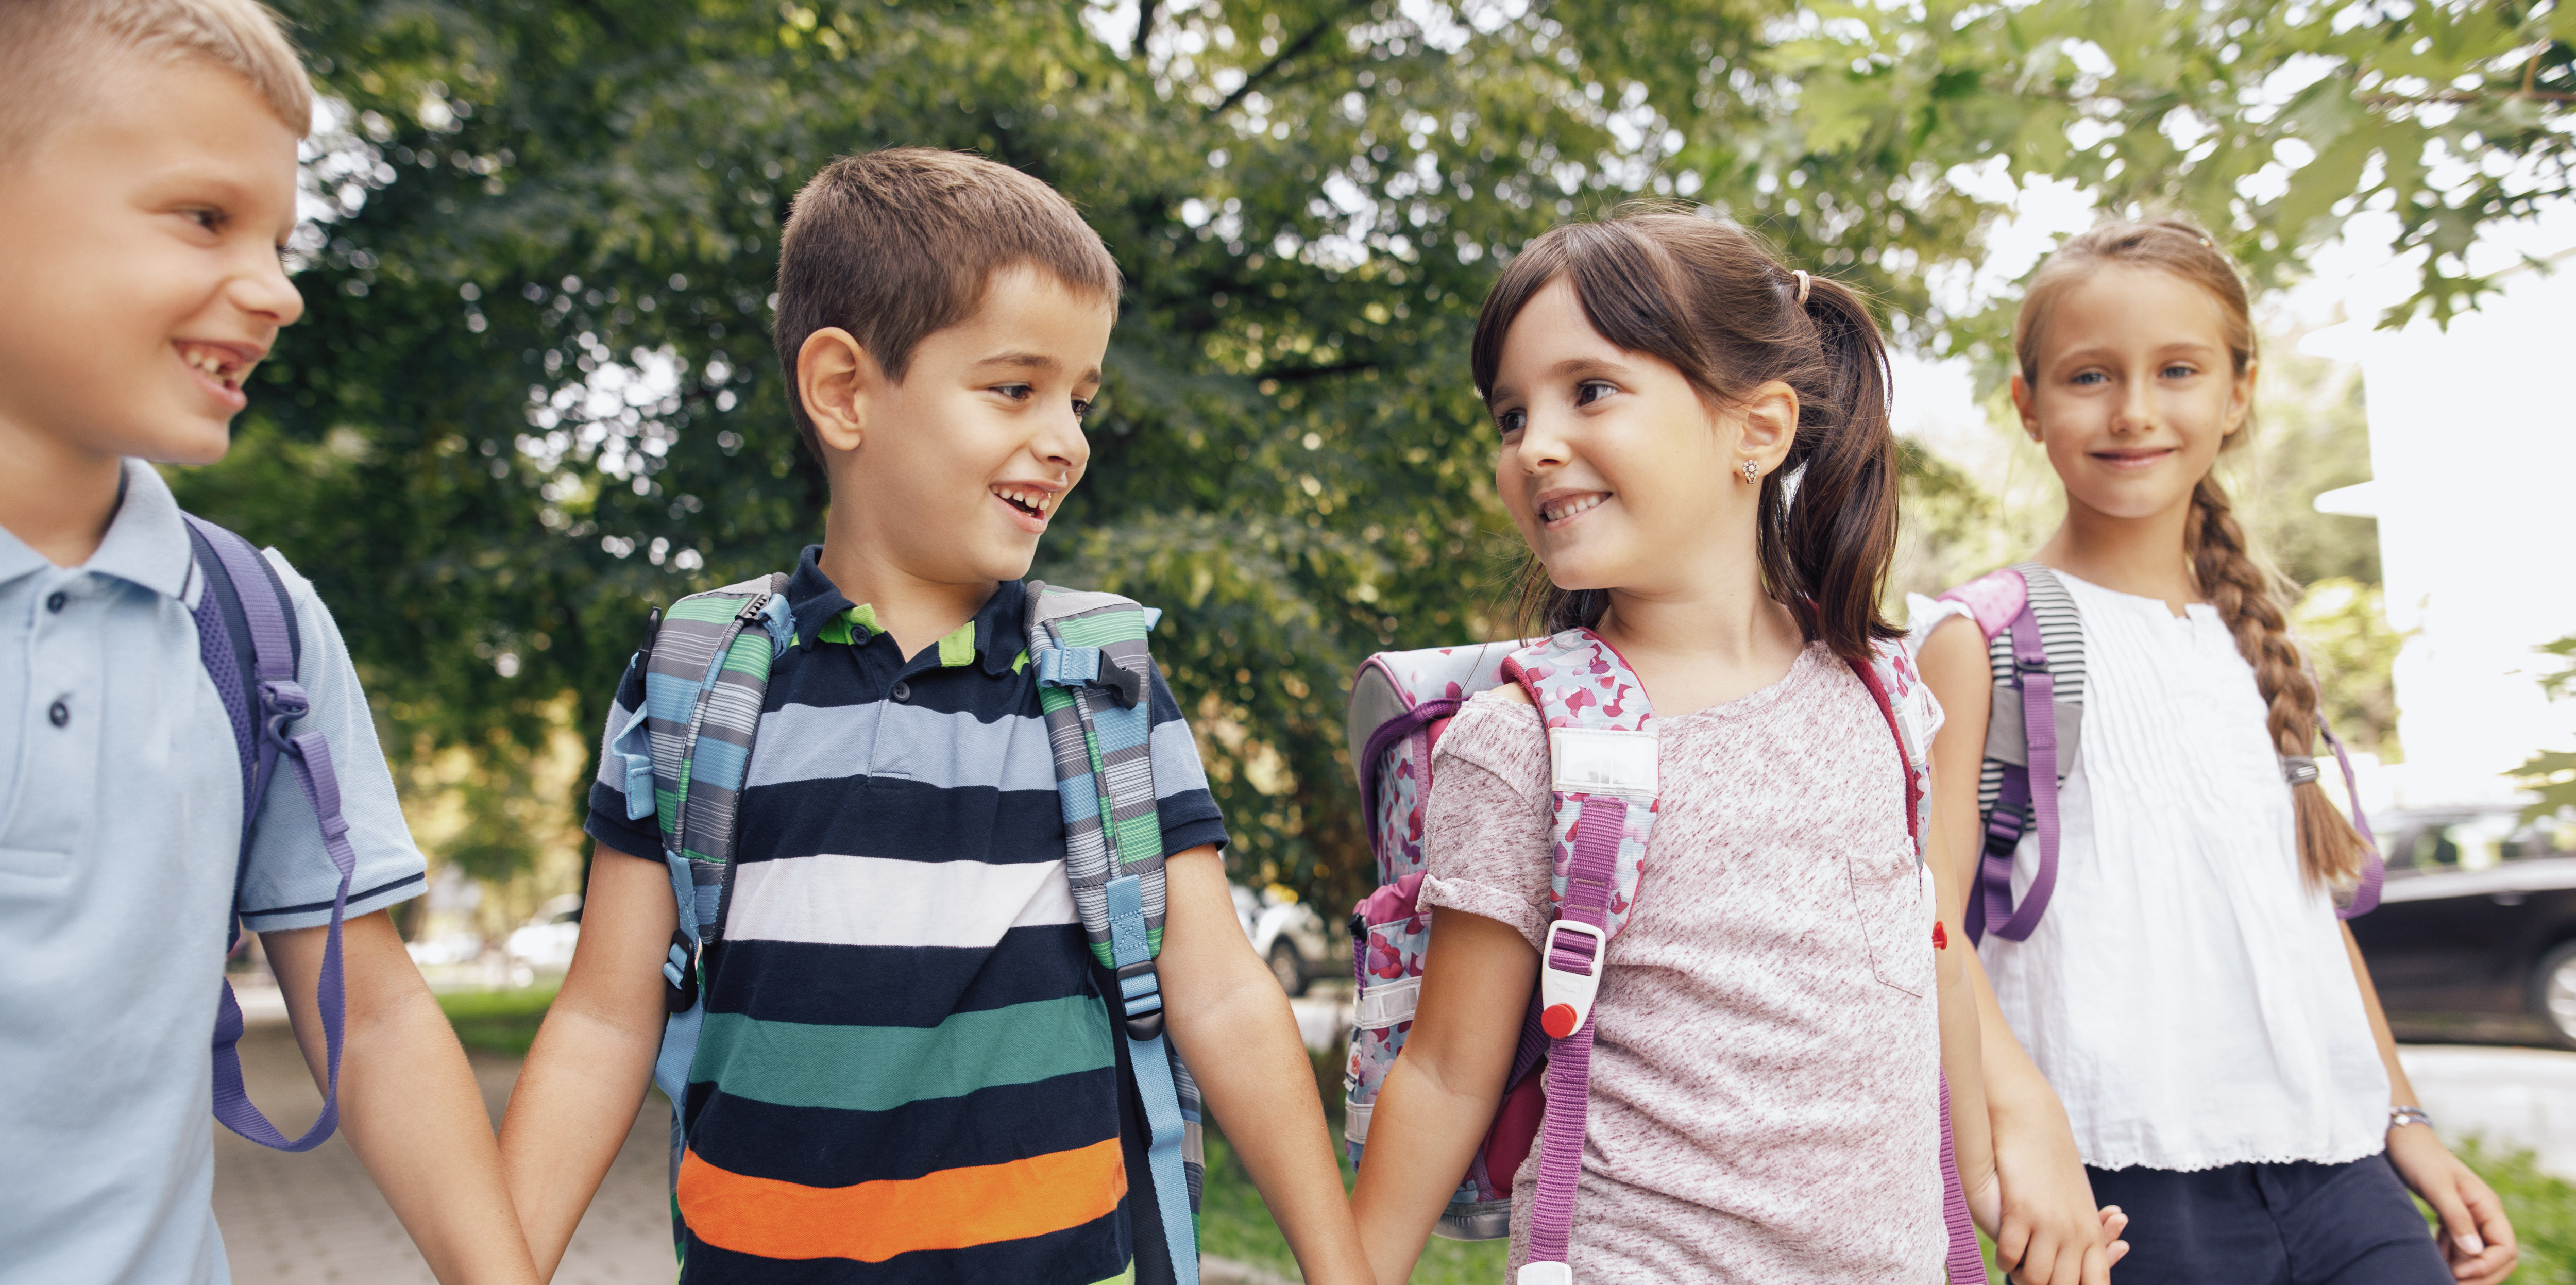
(2477,1240)
(2049,1232)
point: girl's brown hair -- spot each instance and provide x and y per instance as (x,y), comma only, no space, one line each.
(1707,297)
(2248,593)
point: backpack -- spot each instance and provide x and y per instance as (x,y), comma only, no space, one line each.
(2035,648)
(685,751)
(1604,791)
(249,645)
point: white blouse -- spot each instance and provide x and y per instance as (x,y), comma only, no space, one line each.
(2186,993)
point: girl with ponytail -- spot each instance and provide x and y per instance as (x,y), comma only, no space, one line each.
(2166,941)
(1694,442)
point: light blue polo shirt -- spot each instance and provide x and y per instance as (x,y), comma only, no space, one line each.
(120,820)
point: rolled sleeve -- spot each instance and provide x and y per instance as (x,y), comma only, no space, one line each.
(1183,805)
(289,880)
(608,823)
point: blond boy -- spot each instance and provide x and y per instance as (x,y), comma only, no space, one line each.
(147,183)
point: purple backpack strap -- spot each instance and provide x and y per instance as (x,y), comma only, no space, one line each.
(1603,786)
(1888,680)
(247,638)
(2374,869)
(1992,909)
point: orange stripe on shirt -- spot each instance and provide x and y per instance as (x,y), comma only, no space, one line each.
(874,1221)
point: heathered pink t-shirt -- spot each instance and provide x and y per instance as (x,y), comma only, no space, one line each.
(1765,1077)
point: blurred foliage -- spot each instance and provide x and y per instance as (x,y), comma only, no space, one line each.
(500,1021)
(2551,774)
(2308,436)
(533,392)
(2541,1206)
(2342,626)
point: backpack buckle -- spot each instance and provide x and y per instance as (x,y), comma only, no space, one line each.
(1144,1004)
(1565,995)
(281,701)
(680,974)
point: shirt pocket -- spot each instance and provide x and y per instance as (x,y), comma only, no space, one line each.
(1890,901)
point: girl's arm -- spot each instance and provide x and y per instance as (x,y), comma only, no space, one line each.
(1962,1056)
(1440,1096)
(585,1076)
(2476,1236)
(1234,1029)
(2049,1229)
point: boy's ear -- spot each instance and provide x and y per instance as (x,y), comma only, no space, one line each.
(840,382)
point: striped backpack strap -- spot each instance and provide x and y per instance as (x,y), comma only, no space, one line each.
(684,753)
(2032,733)
(1095,679)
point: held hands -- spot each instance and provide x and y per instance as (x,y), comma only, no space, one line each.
(2476,1238)
(2038,1207)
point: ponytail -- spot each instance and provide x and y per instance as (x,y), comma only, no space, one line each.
(2248,595)
(1707,297)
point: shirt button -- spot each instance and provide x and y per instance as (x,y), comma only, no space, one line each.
(57,600)
(61,714)
(903,691)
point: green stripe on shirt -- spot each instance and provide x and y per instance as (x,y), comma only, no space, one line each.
(879,1068)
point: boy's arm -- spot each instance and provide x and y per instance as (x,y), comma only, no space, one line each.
(1234,1028)
(408,1102)
(593,1058)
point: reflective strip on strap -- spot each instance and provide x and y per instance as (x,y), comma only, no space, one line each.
(1384,1004)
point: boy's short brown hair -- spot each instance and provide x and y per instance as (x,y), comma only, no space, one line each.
(51,51)
(896,245)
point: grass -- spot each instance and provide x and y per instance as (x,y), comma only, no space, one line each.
(502,1022)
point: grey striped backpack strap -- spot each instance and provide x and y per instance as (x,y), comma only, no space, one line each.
(2032,730)
(684,753)
(1095,680)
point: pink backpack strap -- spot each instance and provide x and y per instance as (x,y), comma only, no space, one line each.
(1890,677)
(1603,783)
(1993,599)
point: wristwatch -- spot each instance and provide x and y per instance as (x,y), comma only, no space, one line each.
(2408,1115)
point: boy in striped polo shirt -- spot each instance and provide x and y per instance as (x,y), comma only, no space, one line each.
(907,1071)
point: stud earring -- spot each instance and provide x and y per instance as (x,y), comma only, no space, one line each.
(1752,472)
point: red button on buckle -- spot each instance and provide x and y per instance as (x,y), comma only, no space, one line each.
(1559,1021)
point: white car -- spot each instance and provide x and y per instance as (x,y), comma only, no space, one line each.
(1285,932)
(547,939)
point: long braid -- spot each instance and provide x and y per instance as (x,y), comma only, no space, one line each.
(2248,595)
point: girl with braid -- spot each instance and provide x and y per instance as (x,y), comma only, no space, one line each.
(2188,991)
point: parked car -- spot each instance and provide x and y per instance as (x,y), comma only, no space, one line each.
(547,938)
(1286,932)
(2478,916)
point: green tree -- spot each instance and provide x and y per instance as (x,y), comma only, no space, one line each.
(2551,774)
(533,393)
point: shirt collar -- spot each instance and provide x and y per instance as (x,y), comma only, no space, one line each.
(146,542)
(817,604)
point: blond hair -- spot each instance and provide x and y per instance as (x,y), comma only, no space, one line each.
(2249,594)
(52,50)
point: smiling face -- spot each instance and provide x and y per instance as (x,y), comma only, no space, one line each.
(2135,391)
(1616,469)
(142,272)
(954,473)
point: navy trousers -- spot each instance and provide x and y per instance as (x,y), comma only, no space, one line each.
(2275,1224)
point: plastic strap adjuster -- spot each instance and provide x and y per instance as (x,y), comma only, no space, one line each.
(680,974)
(1141,990)
(1565,996)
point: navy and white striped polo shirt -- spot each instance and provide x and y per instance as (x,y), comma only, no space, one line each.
(907,1071)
